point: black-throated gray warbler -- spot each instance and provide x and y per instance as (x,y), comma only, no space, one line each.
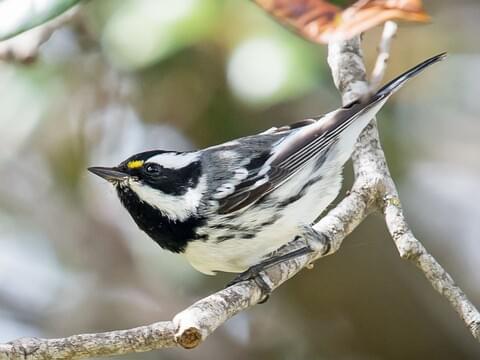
(228,206)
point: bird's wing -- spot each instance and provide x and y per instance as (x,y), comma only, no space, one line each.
(270,168)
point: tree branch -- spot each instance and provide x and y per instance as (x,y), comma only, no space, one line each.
(389,31)
(373,190)
(371,169)
(412,249)
(144,338)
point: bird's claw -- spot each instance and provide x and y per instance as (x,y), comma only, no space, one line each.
(254,273)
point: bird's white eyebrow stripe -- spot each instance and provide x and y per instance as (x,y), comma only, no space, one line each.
(174,160)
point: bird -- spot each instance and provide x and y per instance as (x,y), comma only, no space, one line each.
(228,207)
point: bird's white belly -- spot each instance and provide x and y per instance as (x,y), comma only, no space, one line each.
(238,254)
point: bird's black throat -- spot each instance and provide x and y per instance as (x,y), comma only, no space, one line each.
(170,235)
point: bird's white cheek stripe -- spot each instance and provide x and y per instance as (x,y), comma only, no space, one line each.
(175,207)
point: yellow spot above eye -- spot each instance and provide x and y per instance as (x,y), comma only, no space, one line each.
(135,164)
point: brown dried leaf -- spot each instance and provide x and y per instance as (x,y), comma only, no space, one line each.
(321,21)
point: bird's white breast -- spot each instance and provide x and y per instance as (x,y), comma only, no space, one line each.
(238,254)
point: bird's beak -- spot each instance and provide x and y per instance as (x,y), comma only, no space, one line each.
(109,174)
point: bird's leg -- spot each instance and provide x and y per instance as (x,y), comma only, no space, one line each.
(253,273)
(315,242)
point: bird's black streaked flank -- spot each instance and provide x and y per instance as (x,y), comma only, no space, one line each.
(227,207)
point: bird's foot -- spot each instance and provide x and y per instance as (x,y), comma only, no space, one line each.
(315,241)
(254,273)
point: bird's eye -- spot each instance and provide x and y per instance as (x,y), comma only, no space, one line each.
(152,169)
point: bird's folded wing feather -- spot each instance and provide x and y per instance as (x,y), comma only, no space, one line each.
(301,144)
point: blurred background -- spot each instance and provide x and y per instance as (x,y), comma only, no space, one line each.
(122,77)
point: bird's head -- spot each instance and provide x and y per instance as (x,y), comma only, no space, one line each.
(168,181)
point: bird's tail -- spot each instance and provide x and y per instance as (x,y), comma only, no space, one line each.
(352,118)
(340,127)
(369,106)
(395,84)
(366,108)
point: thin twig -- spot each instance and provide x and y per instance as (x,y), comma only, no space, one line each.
(410,248)
(389,31)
